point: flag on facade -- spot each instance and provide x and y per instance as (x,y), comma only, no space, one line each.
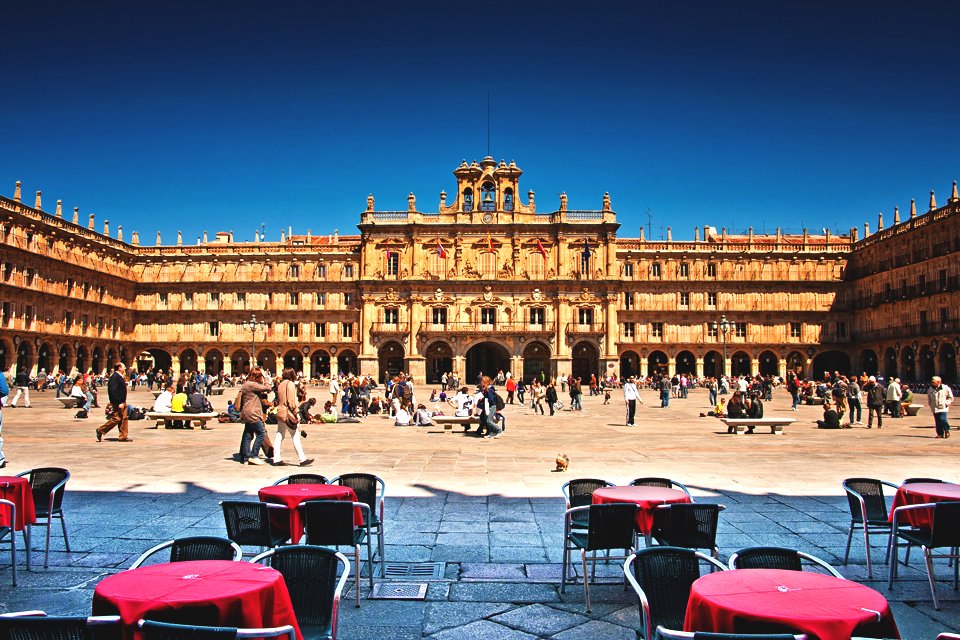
(441,251)
(489,242)
(540,248)
(586,249)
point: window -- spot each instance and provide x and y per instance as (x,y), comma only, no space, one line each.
(391,315)
(101,291)
(584,264)
(942,279)
(293,330)
(214,298)
(68,319)
(347,299)
(656,329)
(393,263)
(71,283)
(684,270)
(585,316)
(655,270)
(8,270)
(164,298)
(348,271)
(488,316)
(628,270)
(536,266)
(439,316)
(537,317)
(319,330)
(294,299)
(944,315)
(841,329)
(86,289)
(794,329)
(213,328)
(29,239)
(488,197)
(242,298)
(30,274)
(712,299)
(739,329)
(684,299)
(85,321)
(188,300)
(488,265)
(6,312)
(628,299)
(922,284)
(923,319)
(438,265)
(711,270)
(321,271)
(321,299)
(295,271)
(347,330)
(629,329)
(468,199)
(508,199)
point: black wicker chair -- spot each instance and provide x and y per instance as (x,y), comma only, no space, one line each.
(868,510)
(248,523)
(944,532)
(579,493)
(666,483)
(670,634)
(371,490)
(609,526)
(330,523)
(48,485)
(662,577)
(8,531)
(36,625)
(693,526)
(777,558)
(152,630)
(302,478)
(195,548)
(311,576)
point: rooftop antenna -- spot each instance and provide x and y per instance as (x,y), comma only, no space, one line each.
(488,122)
(649,222)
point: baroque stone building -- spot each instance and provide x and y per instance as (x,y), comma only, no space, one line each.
(486,282)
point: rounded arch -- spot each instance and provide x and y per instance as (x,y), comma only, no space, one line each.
(240,361)
(869,363)
(24,357)
(65,358)
(947,363)
(769,363)
(160,359)
(439,361)
(536,361)
(213,361)
(267,360)
(740,364)
(6,353)
(586,361)
(122,355)
(890,363)
(320,363)
(144,362)
(390,357)
(712,364)
(686,363)
(347,362)
(656,364)
(908,364)
(795,363)
(926,364)
(293,359)
(83,359)
(629,364)
(45,357)
(111,359)
(486,357)
(188,360)
(97,361)
(829,362)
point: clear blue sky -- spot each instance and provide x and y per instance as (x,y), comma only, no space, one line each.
(225,115)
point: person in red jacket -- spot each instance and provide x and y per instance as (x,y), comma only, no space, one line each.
(511,388)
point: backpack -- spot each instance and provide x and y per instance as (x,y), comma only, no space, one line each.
(498,401)
(81,414)
(406,393)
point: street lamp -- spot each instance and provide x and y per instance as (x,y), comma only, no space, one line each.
(253,325)
(723,326)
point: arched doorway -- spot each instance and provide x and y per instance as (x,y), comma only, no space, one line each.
(868,362)
(144,362)
(536,362)
(97,362)
(927,364)
(81,363)
(830,362)
(6,354)
(24,357)
(890,363)
(64,364)
(740,364)
(586,361)
(769,364)
(240,361)
(293,359)
(161,360)
(320,363)
(213,362)
(947,363)
(908,364)
(439,361)
(686,363)
(795,363)
(267,360)
(656,364)
(390,356)
(45,358)
(712,364)
(487,358)
(629,364)
(188,360)
(111,359)
(347,362)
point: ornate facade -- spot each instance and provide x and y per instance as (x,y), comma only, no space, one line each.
(486,282)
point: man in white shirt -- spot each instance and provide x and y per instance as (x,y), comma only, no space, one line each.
(742,384)
(630,397)
(894,393)
(334,391)
(463,401)
(164,402)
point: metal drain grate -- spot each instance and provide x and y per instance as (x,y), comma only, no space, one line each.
(420,570)
(399,591)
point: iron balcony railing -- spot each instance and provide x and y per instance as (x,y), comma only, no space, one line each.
(480,327)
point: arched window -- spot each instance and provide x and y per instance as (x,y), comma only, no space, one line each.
(488,197)
(488,265)
(468,199)
(508,199)
(536,266)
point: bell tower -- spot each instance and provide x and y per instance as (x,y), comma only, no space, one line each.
(488,187)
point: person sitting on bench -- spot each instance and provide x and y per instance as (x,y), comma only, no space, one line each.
(831,419)
(79,395)
(164,404)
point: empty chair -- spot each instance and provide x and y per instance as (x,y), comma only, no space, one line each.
(167,631)
(330,523)
(670,634)
(609,526)
(777,558)
(302,478)
(666,483)
(248,523)
(693,526)
(310,573)
(7,531)
(370,490)
(195,548)
(868,510)
(36,625)
(944,532)
(662,577)
(48,485)
(579,493)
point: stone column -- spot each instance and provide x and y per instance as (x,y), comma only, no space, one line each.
(727,368)
(201,363)
(334,366)
(174,365)
(306,367)
(698,370)
(643,367)
(417,367)
(460,367)
(671,365)
(227,365)
(516,366)
(754,366)
(782,366)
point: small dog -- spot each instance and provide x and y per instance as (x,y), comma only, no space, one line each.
(563,461)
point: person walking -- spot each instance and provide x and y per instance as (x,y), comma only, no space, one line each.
(511,387)
(894,394)
(488,408)
(22,383)
(288,419)
(664,392)
(939,397)
(538,393)
(253,393)
(630,396)
(117,393)
(853,401)
(551,396)
(876,396)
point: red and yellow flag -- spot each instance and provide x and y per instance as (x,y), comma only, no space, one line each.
(489,242)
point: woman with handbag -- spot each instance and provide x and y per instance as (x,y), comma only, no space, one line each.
(288,419)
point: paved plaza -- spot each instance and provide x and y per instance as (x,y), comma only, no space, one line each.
(491,509)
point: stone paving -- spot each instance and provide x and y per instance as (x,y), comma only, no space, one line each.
(490,509)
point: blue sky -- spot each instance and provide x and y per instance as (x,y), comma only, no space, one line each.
(225,115)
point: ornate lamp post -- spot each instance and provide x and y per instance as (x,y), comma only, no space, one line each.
(253,325)
(723,326)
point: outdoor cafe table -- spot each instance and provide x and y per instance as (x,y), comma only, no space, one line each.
(921,493)
(776,600)
(647,500)
(199,592)
(17,490)
(292,495)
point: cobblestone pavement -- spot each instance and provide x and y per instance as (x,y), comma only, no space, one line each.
(490,509)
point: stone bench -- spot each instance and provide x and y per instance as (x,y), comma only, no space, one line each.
(75,403)
(746,425)
(163,418)
(910,409)
(814,400)
(216,391)
(449,421)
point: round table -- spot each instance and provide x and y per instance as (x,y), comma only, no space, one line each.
(17,490)
(201,592)
(921,493)
(647,500)
(292,495)
(775,600)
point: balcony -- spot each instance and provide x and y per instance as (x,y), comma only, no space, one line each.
(389,328)
(908,331)
(512,328)
(593,328)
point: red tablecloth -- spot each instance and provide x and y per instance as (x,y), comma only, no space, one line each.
(646,498)
(17,490)
(203,592)
(920,493)
(291,495)
(773,600)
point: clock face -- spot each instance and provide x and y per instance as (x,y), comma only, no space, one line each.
(488,217)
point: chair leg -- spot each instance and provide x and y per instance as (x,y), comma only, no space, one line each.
(66,539)
(586,583)
(370,562)
(563,569)
(27,542)
(593,565)
(933,581)
(46,552)
(13,556)
(356,570)
(893,561)
(846,555)
(866,545)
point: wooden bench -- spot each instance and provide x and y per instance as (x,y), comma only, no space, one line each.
(746,425)
(911,409)
(162,418)
(75,403)
(449,421)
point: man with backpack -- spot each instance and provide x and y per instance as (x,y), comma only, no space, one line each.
(876,396)
(489,405)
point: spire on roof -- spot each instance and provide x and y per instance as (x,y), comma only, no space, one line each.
(36,203)
(76,215)
(896,215)
(880,221)
(16,192)
(933,201)
(954,197)
(59,208)
(913,208)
